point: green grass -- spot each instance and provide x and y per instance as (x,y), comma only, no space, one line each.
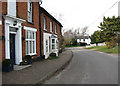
(50,58)
(105,49)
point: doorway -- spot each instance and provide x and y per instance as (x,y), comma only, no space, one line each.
(12,48)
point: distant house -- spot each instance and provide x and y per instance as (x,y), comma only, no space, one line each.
(83,39)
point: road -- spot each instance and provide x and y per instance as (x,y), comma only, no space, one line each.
(88,67)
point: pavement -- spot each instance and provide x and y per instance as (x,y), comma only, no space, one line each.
(39,71)
(88,67)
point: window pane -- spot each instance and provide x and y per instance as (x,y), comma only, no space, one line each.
(53,46)
(30,11)
(33,35)
(26,34)
(55,28)
(26,47)
(33,47)
(53,40)
(46,45)
(44,23)
(13,29)
(30,47)
(51,26)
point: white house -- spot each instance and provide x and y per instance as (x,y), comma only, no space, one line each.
(83,39)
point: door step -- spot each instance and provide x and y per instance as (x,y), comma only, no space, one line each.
(18,67)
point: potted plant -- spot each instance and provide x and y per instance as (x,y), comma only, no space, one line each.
(28,58)
(53,54)
(23,63)
(7,65)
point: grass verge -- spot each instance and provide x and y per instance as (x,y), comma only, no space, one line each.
(73,46)
(105,49)
(50,58)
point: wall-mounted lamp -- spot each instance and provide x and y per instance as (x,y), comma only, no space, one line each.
(14,23)
(40,2)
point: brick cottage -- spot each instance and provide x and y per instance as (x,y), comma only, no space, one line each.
(28,29)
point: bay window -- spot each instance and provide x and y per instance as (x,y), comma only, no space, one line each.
(54,44)
(47,45)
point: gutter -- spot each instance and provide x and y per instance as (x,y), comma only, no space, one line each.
(40,31)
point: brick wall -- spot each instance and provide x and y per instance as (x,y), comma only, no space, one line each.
(48,29)
(2,42)
(22,13)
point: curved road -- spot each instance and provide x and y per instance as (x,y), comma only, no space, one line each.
(88,67)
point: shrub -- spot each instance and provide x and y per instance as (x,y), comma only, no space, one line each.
(110,44)
(28,57)
(53,54)
(6,62)
(24,63)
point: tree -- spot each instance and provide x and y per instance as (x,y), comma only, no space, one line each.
(84,31)
(110,26)
(68,35)
(97,37)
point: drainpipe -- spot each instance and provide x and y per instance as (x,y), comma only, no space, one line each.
(40,32)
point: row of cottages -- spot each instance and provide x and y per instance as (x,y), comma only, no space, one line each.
(28,29)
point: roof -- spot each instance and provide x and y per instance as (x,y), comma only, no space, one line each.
(50,16)
(82,37)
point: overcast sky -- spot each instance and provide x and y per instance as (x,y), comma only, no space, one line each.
(80,13)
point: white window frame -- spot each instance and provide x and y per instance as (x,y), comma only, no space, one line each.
(45,24)
(30,11)
(30,38)
(51,26)
(55,28)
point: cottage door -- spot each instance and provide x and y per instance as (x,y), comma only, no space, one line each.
(12,48)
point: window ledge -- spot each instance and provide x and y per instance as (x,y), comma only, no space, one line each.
(51,32)
(34,54)
(45,29)
(30,22)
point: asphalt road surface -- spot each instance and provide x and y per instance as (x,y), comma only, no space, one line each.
(88,67)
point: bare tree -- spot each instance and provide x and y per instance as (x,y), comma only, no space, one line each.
(84,31)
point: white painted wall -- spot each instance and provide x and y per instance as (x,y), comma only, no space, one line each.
(18,38)
(46,37)
(11,9)
(88,41)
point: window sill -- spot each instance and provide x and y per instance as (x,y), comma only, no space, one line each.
(33,54)
(51,32)
(45,30)
(31,23)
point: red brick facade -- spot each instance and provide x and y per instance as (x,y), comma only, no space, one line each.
(21,9)
(49,19)
(22,13)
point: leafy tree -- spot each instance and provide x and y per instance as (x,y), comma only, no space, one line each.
(97,37)
(109,27)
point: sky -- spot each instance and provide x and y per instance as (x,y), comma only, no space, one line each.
(80,13)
